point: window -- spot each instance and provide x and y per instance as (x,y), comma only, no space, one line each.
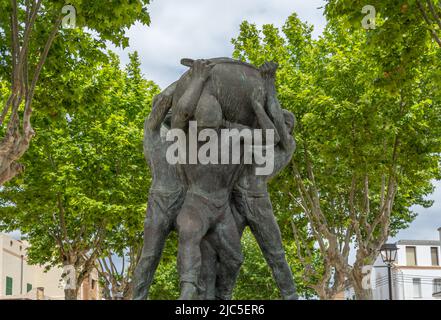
(411,256)
(436,285)
(416,287)
(28,287)
(434,254)
(93,284)
(8,286)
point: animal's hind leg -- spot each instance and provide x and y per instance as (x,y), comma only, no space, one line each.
(208,112)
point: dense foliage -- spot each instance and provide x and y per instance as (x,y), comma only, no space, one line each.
(368,133)
(368,142)
(85,189)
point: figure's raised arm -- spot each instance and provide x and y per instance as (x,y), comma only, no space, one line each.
(268,72)
(152,125)
(160,106)
(265,123)
(186,106)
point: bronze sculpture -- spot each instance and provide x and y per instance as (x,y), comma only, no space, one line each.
(211,203)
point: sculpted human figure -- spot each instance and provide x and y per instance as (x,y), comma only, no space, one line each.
(251,198)
(252,205)
(252,201)
(206,205)
(196,198)
(166,196)
(207,202)
(167,191)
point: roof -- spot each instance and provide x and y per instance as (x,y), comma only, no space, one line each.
(419,242)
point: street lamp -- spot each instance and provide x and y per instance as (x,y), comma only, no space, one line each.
(389,255)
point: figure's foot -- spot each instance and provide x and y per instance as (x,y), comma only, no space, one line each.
(189,291)
(292,296)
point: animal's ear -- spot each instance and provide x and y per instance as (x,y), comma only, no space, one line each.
(187,62)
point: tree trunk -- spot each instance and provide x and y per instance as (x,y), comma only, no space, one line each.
(128,292)
(361,290)
(362,294)
(71,294)
(12,147)
(105,292)
(324,293)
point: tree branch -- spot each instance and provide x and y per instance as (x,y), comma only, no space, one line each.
(428,22)
(434,13)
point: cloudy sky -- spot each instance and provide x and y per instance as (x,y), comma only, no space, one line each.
(204,28)
(425,226)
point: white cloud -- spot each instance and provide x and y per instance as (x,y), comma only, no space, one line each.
(426,224)
(203,29)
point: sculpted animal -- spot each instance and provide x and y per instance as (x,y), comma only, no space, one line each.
(231,84)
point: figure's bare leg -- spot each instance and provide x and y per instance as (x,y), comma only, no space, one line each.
(238,212)
(207,281)
(265,229)
(210,261)
(192,226)
(157,227)
(226,241)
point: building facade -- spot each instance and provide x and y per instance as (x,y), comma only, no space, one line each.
(416,272)
(20,280)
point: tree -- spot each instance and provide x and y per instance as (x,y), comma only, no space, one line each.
(367,145)
(86,191)
(28,31)
(122,246)
(404,30)
(115,275)
(396,20)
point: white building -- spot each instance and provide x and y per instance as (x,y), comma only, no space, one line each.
(416,273)
(20,280)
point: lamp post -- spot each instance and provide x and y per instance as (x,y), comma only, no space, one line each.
(389,255)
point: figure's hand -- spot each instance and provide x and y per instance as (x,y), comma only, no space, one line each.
(201,69)
(258,101)
(268,70)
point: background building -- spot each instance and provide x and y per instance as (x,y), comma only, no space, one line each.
(416,273)
(20,280)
